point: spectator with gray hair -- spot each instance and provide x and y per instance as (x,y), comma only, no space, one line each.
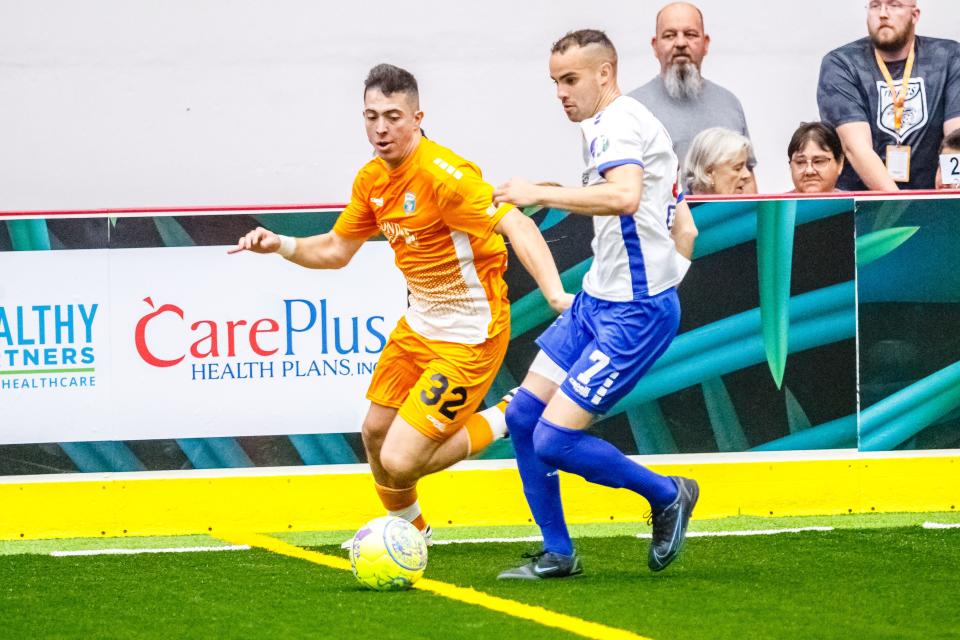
(718,162)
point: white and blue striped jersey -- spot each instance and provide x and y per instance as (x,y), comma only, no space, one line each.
(634,255)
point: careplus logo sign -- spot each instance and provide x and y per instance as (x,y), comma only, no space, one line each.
(47,346)
(307,339)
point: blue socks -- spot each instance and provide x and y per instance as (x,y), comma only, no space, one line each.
(599,462)
(541,485)
(543,447)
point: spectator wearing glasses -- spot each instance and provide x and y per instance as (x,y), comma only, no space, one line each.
(680,97)
(948,173)
(816,158)
(892,97)
(718,163)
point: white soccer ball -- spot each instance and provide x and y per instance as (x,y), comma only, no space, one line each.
(388,554)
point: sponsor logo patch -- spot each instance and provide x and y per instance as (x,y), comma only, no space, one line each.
(598,145)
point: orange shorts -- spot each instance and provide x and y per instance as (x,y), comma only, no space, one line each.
(435,385)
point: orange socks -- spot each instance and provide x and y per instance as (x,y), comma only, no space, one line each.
(482,429)
(485,427)
(402,503)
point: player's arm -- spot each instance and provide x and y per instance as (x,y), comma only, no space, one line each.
(857,144)
(620,193)
(325,251)
(684,230)
(535,256)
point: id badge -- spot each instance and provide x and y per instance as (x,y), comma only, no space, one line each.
(898,162)
(950,169)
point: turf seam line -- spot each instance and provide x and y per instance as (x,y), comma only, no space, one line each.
(130,552)
(545,617)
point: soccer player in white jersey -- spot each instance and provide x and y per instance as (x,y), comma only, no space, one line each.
(623,320)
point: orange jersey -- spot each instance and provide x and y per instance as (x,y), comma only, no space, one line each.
(436,211)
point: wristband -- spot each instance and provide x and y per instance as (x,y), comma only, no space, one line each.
(288,246)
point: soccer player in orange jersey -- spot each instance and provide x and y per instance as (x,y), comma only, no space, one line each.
(437,212)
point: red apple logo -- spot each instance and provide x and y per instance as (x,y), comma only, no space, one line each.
(140,335)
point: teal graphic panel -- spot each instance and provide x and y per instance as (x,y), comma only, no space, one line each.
(779,294)
(908,290)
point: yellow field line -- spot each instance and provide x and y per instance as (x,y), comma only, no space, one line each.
(466,595)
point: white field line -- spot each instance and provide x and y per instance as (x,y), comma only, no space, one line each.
(482,540)
(752,532)
(690,534)
(130,552)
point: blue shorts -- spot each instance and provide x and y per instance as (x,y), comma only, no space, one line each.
(606,347)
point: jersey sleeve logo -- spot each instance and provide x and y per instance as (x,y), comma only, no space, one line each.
(598,145)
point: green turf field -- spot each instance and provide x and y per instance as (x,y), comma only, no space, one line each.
(870,577)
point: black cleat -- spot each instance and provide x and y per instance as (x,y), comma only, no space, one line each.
(543,565)
(670,524)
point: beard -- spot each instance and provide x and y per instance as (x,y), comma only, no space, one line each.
(683,81)
(891,43)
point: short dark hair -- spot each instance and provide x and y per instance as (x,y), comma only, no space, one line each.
(390,79)
(951,141)
(823,133)
(582,38)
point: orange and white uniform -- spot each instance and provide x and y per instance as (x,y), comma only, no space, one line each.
(436,211)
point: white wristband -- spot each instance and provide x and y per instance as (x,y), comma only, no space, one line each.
(288,246)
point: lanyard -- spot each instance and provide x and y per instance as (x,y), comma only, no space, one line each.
(901,98)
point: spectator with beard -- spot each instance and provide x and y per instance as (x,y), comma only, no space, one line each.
(680,97)
(892,96)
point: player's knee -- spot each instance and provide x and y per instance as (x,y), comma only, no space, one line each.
(523,412)
(400,467)
(373,433)
(553,444)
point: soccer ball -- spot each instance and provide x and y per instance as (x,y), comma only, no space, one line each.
(388,554)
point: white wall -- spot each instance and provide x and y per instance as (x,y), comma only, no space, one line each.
(122,103)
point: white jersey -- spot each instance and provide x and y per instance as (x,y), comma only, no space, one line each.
(634,255)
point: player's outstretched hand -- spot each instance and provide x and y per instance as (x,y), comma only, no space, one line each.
(516,191)
(562,302)
(259,240)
